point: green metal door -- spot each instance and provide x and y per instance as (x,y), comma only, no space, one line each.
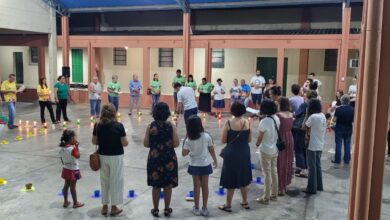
(18,62)
(268,69)
(77,65)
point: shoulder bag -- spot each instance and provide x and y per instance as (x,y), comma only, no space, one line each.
(94,160)
(222,153)
(279,143)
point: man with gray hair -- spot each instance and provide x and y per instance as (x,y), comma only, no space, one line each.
(135,88)
(343,117)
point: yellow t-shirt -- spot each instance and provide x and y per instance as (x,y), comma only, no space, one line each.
(8,86)
(43,94)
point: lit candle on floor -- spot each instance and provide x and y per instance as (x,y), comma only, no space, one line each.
(27,122)
(118,115)
(92,119)
(20,122)
(35,124)
(78,121)
(45,125)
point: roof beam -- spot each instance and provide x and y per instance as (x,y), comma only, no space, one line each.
(57,6)
(184,5)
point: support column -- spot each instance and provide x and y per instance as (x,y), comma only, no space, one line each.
(343,54)
(51,75)
(366,196)
(65,40)
(146,102)
(207,62)
(91,62)
(186,43)
(280,67)
(41,62)
(192,61)
(303,66)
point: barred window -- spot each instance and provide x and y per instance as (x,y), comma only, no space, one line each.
(33,55)
(165,57)
(120,56)
(218,58)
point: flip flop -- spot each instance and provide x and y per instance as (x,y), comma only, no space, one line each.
(301,175)
(245,205)
(225,208)
(78,205)
(66,204)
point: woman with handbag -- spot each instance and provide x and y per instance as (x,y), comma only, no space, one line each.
(267,141)
(236,170)
(110,136)
(285,157)
(155,88)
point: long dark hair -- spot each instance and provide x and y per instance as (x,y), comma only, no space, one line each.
(194,127)
(314,106)
(41,82)
(338,99)
(154,77)
(192,78)
(67,135)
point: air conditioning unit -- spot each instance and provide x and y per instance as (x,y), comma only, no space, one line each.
(353,63)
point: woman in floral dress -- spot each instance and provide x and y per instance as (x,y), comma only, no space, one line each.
(162,172)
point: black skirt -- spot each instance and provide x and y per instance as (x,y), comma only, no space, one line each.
(205,102)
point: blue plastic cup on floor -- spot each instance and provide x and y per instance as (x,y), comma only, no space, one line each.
(258,179)
(131,193)
(96,193)
(161,195)
(253,166)
(191,194)
(221,190)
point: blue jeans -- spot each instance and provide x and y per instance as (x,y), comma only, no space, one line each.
(189,112)
(314,182)
(11,113)
(95,106)
(114,101)
(155,99)
(341,136)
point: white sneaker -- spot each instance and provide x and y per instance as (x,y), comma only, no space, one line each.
(204,212)
(195,211)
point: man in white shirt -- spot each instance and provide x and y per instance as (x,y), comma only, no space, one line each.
(186,101)
(312,76)
(352,91)
(257,84)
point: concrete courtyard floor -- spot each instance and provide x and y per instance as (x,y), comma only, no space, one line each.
(35,159)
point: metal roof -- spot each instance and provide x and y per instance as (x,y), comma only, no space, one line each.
(84,6)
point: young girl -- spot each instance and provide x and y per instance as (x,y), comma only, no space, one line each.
(219,97)
(199,146)
(70,172)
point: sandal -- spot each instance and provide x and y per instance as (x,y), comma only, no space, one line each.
(273,198)
(168,212)
(116,213)
(225,208)
(245,205)
(66,204)
(104,211)
(301,175)
(78,205)
(262,200)
(154,212)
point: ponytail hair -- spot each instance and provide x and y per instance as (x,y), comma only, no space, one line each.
(67,135)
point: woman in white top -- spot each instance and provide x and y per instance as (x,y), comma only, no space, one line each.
(200,147)
(352,91)
(266,140)
(95,91)
(219,98)
(315,123)
(235,92)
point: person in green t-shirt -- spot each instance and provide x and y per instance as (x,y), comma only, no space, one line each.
(114,89)
(155,89)
(205,96)
(191,82)
(177,79)
(61,98)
